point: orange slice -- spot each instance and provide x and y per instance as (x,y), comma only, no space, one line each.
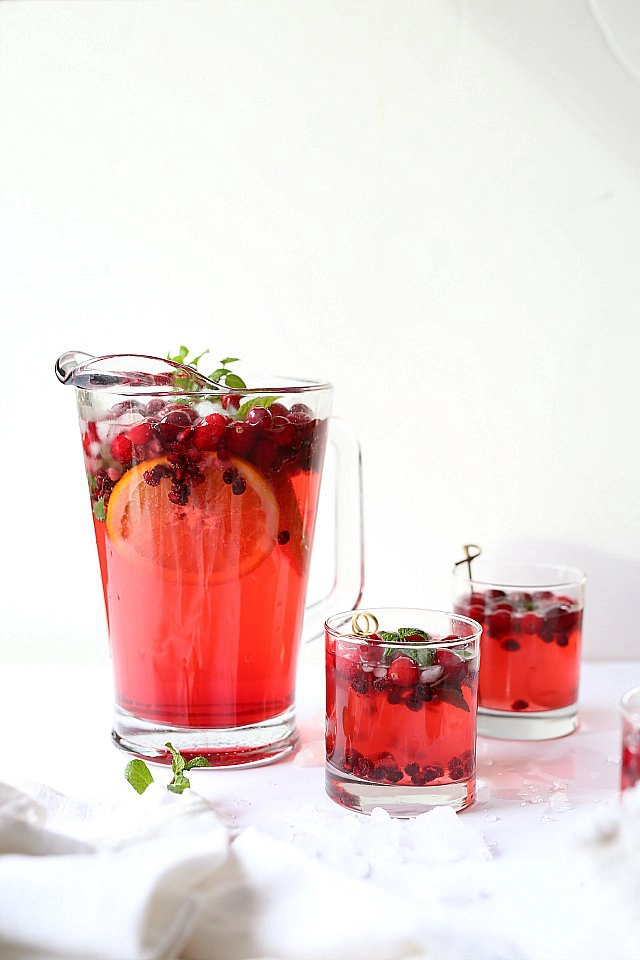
(216,537)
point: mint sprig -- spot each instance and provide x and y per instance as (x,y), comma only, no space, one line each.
(137,773)
(422,656)
(222,375)
(244,408)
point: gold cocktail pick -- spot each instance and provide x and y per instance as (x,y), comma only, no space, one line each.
(363,624)
(471,551)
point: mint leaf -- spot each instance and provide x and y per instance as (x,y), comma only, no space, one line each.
(244,408)
(179,784)
(453,696)
(413,632)
(229,360)
(424,656)
(389,637)
(234,381)
(93,483)
(197,762)
(137,773)
(181,355)
(99,509)
(177,761)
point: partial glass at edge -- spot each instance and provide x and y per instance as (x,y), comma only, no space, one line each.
(531,615)
(401,717)
(630,710)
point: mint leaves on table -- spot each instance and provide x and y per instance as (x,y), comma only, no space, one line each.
(137,773)
(222,374)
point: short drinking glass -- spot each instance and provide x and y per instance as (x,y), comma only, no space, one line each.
(531,615)
(630,707)
(401,710)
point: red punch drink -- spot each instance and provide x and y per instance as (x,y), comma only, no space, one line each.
(630,708)
(204,506)
(401,710)
(531,639)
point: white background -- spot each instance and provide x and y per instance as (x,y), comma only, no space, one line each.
(435,205)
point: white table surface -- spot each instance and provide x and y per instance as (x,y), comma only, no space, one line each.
(55,726)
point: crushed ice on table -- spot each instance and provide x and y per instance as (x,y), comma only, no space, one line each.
(392,851)
(559,801)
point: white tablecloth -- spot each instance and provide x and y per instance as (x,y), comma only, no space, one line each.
(55,726)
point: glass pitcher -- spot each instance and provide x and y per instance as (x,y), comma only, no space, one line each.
(204,503)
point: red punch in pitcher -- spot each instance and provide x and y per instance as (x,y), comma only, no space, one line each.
(204,501)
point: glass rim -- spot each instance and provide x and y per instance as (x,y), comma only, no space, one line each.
(574,576)
(421,644)
(631,713)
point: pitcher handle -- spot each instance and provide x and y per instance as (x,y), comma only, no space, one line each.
(348,579)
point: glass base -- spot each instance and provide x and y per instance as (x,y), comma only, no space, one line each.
(546,725)
(399,801)
(248,746)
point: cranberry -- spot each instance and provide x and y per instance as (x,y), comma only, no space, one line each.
(403,671)
(281,431)
(453,664)
(278,410)
(477,600)
(266,455)
(380,684)
(166,431)
(141,433)
(229,475)
(230,400)
(360,683)
(519,705)
(476,612)
(411,768)
(542,595)
(240,438)
(122,449)
(503,605)
(394,776)
(495,594)
(510,645)
(155,406)
(393,696)
(432,771)
(302,410)
(283,537)
(456,768)
(424,692)
(499,623)
(259,417)
(531,623)
(562,640)
(209,431)
(127,406)
(414,703)
(239,486)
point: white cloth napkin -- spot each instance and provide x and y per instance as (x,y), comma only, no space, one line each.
(157,879)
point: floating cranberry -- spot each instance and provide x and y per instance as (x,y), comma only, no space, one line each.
(495,594)
(424,692)
(155,406)
(281,431)
(239,486)
(278,409)
(562,640)
(542,595)
(259,417)
(499,623)
(230,401)
(122,449)
(209,431)
(141,433)
(403,671)
(380,684)
(283,537)
(519,705)
(229,475)
(530,623)
(476,612)
(240,438)
(452,664)
(510,645)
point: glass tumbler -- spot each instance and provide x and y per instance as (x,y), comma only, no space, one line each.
(531,615)
(401,710)
(630,709)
